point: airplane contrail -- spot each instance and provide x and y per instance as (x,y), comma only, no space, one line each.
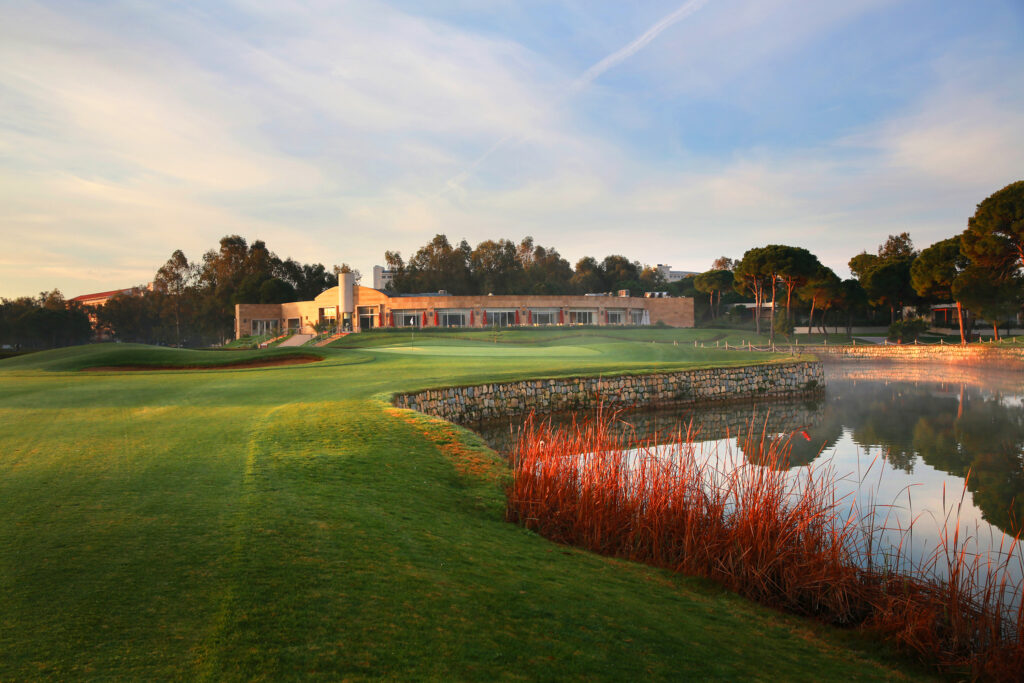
(590,75)
(621,55)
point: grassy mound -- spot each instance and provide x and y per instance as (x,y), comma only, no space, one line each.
(142,356)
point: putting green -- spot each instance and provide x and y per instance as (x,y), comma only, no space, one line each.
(492,351)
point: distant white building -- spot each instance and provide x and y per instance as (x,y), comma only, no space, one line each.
(673,275)
(382,277)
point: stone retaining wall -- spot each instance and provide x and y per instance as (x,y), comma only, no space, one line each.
(489,401)
(974,354)
(776,415)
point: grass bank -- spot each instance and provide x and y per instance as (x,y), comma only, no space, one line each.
(285,523)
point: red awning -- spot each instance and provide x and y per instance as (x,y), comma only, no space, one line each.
(380,319)
(424,323)
(561,317)
(436,322)
(391,319)
(529,317)
(517,316)
(471,323)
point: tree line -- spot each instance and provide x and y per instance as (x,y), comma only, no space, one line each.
(43,322)
(192,303)
(978,271)
(507,267)
(187,303)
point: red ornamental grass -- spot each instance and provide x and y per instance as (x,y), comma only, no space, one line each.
(777,536)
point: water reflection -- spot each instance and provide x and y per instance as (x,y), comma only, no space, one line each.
(969,422)
(901,435)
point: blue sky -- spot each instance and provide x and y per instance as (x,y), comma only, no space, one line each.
(670,132)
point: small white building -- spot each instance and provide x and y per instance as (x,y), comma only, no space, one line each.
(382,277)
(673,275)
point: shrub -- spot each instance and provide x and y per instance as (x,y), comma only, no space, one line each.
(782,324)
(908,330)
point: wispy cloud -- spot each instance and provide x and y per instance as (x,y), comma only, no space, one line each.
(584,80)
(129,130)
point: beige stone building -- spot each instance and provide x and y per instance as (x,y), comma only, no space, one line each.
(363,308)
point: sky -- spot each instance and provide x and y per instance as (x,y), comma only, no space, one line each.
(669,132)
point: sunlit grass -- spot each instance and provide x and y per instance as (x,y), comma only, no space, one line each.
(284,523)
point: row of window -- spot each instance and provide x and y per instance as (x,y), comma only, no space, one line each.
(369,317)
(510,317)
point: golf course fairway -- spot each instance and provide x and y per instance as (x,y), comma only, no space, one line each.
(285,522)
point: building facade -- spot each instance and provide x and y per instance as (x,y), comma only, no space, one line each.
(673,275)
(351,307)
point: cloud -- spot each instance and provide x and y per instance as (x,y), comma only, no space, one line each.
(132,130)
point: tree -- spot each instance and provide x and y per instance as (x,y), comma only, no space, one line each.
(496,267)
(653,280)
(888,284)
(724,263)
(993,298)
(714,282)
(545,270)
(897,247)
(753,275)
(792,267)
(131,316)
(435,266)
(994,239)
(862,263)
(618,272)
(357,277)
(934,272)
(886,277)
(47,321)
(587,276)
(309,279)
(852,298)
(276,291)
(175,281)
(821,288)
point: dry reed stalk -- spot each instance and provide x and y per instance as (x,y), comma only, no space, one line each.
(779,539)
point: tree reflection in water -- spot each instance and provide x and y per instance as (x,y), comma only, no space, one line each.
(953,420)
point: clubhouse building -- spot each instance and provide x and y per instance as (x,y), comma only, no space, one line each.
(355,308)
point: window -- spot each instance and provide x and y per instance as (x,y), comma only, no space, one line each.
(636,316)
(545,316)
(452,318)
(581,317)
(262,327)
(501,318)
(615,317)
(367,317)
(329,316)
(407,318)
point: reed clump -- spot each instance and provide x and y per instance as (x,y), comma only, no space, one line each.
(781,537)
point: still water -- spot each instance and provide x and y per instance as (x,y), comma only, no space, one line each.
(938,446)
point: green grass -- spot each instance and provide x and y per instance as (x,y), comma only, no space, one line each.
(285,523)
(139,355)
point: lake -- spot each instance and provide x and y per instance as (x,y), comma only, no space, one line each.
(902,440)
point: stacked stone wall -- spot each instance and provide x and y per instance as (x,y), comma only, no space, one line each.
(482,402)
(973,354)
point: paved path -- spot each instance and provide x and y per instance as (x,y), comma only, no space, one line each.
(295,340)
